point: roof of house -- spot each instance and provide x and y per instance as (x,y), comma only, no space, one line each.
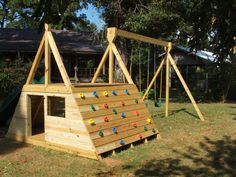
(27,40)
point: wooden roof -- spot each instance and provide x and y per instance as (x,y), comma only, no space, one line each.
(27,40)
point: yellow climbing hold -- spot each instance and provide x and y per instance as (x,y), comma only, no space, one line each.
(149,120)
(91,122)
(81,95)
(105,93)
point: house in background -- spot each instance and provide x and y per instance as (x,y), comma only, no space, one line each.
(79,49)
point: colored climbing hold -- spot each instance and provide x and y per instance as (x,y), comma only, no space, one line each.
(134,125)
(106,119)
(136,113)
(105,106)
(145,128)
(153,130)
(122,142)
(136,100)
(149,120)
(91,122)
(114,92)
(105,93)
(114,130)
(114,111)
(81,95)
(92,107)
(140,136)
(100,133)
(122,103)
(123,115)
(95,94)
(127,91)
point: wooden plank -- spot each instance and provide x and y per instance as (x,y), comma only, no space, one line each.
(167,85)
(115,123)
(120,128)
(95,87)
(103,60)
(47,59)
(142,38)
(122,64)
(36,61)
(111,64)
(58,59)
(128,140)
(114,137)
(49,89)
(87,101)
(154,78)
(186,88)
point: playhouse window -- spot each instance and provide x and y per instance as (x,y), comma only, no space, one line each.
(56,106)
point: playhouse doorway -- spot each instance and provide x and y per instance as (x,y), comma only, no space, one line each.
(37,114)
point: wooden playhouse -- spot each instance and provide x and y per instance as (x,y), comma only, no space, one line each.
(87,119)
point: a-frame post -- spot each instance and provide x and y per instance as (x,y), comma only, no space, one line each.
(167,80)
(111,65)
(47,57)
(185,87)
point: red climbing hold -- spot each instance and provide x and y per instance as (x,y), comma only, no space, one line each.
(140,136)
(122,103)
(134,124)
(136,113)
(106,119)
(105,106)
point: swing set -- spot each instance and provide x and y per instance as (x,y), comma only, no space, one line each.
(168,61)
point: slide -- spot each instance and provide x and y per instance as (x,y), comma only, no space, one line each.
(8,106)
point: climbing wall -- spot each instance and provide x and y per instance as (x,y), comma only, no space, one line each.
(114,115)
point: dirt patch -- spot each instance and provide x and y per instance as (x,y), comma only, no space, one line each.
(112,162)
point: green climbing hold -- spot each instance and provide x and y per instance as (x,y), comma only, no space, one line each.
(136,100)
(153,130)
(100,133)
(114,111)
(92,107)
(145,128)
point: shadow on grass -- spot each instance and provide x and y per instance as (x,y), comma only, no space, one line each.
(6,145)
(212,158)
(173,112)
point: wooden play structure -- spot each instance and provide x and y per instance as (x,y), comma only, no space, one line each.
(86,118)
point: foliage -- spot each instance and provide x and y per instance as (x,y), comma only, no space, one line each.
(12,75)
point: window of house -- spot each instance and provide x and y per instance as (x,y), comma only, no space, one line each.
(56,106)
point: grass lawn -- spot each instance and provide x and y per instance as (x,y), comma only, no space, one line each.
(188,147)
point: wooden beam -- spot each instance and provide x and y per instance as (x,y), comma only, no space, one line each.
(122,64)
(167,85)
(102,62)
(139,37)
(36,61)
(186,87)
(154,78)
(47,54)
(58,59)
(111,66)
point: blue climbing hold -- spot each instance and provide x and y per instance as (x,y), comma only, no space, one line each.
(123,115)
(127,92)
(95,94)
(122,142)
(114,92)
(114,130)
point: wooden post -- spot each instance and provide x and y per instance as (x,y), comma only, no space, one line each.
(111,65)
(186,87)
(122,64)
(104,58)
(167,80)
(47,54)
(154,78)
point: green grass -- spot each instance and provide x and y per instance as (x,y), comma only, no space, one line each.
(188,147)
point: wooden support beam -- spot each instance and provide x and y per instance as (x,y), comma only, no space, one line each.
(102,62)
(186,87)
(58,59)
(47,54)
(122,64)
(167,85)
(111,65)
(154,78)
(36,61)
(139,37)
